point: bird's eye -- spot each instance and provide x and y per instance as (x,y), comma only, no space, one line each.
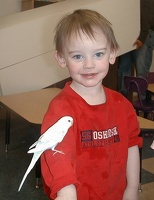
(69,120)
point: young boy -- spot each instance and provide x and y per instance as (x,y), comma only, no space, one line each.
(101,158)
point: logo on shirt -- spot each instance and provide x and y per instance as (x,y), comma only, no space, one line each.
(95,138)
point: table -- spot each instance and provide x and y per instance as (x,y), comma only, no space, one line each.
(150,92)
(146,125)
(31,106)
(151,87)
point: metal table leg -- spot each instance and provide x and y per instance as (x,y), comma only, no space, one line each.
(140,189)
(38,173)
(7,130)
(37,129)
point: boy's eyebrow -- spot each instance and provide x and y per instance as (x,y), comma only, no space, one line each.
(103,48)
(99,49)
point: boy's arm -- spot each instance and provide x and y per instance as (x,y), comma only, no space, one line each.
(67,193)
(132,173)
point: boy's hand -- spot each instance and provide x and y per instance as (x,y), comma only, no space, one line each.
(67,193)
(138,44)
(131,194)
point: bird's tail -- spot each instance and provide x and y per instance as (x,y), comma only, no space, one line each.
(32,163)
(33,145)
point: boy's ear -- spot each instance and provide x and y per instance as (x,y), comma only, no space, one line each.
(60,59)
(112,58)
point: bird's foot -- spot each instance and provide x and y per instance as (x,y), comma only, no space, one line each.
(57,151)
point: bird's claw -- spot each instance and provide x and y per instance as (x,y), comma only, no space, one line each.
(56,151)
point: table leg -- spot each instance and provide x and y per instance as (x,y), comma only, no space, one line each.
(140,151)
(38,173)
(37,129)
(7,130)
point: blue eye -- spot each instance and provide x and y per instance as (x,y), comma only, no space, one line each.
(77,57)
(99,54)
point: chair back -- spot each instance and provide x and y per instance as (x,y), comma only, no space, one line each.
(135,85)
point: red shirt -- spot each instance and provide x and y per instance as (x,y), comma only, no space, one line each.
(95,147)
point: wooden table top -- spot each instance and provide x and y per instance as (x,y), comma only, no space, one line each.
(30,105)
(145,123)
(151,87)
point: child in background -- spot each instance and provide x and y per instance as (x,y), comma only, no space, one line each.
(101,156)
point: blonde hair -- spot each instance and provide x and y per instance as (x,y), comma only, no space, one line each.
(86,21)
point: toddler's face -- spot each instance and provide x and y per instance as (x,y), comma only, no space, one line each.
(87,59)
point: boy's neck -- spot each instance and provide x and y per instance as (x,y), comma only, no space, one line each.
(92,95)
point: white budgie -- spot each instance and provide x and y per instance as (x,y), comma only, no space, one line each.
(48,140)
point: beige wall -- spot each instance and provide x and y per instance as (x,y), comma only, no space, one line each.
(26,38)
(8,7)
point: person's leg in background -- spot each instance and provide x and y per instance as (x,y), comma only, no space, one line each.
(124,68)
(144,56)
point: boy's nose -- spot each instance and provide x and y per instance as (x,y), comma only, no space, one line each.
(88,64)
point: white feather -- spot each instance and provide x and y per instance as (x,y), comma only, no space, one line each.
(48,140)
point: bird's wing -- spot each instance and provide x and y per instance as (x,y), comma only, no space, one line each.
(33,145)
(32,163)
(47,141)
(42,146)
(50,133)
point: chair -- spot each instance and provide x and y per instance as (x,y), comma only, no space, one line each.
(138,86)
(150,79)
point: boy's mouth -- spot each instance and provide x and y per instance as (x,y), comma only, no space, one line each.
(89,75)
